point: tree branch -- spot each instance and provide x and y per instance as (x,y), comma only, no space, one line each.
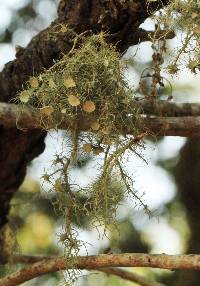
(172,262)
(187,126)
(130,276)
(142,35)
(173,126)
(167,108)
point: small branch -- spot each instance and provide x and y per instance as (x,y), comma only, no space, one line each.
(166,108)
(130,276)
(179,125)
(28,259)
(187,262)
(174,126)
(127,275)
(140,35)
(144,35)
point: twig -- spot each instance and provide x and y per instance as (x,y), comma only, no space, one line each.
(144,35)
(189,262)
(130,276)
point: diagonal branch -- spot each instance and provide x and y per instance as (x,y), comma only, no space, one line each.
(187,262)
(130,276)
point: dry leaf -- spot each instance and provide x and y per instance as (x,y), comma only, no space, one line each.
(24,96)
(87,148)
(89,106)
(95,126)
(47,110)
(34,82)
(69,82)
(73,100)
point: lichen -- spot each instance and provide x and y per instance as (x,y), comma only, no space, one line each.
(89,84)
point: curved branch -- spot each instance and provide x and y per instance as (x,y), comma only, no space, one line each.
(127,275)
(189,262)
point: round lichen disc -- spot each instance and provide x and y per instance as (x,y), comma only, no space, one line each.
(89,106)
(34,82)
(24,96)
(95,126)
(73,100)
(69,82)
(47,110)
(87,148)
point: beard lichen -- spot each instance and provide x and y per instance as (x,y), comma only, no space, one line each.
(88,85)
(182,16)
(86,93)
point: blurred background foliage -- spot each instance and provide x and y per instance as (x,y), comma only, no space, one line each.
(170,180)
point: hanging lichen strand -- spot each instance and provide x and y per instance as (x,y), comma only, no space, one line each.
(87,93)
(183,16)
(88,84)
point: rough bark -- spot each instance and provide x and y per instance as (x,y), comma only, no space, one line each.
(120,18)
